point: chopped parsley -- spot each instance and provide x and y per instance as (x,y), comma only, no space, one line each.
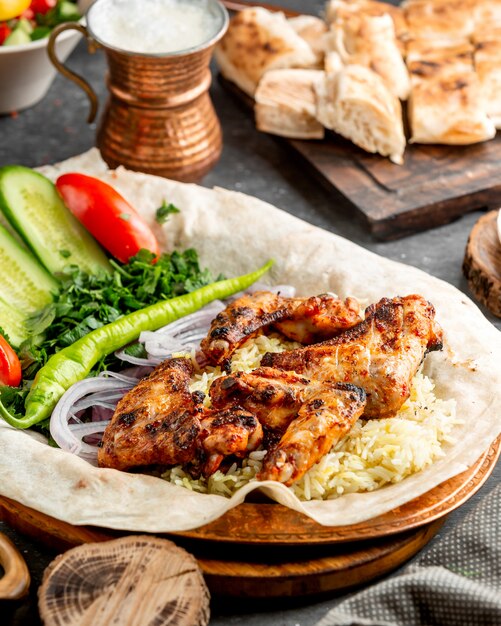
(86,302)
(164,211)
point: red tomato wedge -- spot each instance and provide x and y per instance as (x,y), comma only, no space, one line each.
(107,216)
(10,366)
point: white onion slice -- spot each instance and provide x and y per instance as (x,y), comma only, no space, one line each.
(66,428)
(286,291)
(105,390)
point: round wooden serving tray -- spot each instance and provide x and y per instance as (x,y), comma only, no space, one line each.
(267,550)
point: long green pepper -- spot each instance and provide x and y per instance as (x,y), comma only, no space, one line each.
(75,362)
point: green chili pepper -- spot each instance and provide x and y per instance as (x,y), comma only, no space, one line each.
(75,362)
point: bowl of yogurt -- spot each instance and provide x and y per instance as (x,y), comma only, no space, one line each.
(156,27)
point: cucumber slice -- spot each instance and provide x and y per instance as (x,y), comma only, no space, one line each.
(24,284)
(25,24)
(12,322)
(18,36)
(34,208)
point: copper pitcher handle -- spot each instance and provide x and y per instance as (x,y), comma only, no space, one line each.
(60,67)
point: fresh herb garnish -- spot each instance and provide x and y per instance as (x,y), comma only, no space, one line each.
(86,302)
(65,253)
(163,212)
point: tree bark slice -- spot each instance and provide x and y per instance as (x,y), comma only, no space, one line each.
(482,262)
(133,581)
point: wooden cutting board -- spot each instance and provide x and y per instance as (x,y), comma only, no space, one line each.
(434,186)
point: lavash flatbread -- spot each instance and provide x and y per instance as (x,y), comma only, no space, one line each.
(450,110)
(217,222)
(256,41)
(286,104)
(357,104)
(370,41)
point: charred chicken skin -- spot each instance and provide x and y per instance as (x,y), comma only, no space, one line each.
(159,422)
(328,413)
(242,319)
(302,319)
(272,395)
(318,318)
(302,401)
(155,423)
(227,432)
(381,354)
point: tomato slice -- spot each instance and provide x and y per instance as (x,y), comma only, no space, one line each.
(5,31)
(107,216)
(10,366)
(42,6)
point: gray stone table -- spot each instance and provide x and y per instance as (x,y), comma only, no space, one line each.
(256,164)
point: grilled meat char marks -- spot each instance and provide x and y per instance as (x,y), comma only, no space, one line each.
(302,319)
(159,422)
(155,423)
(327,414)
(380,355)
(242,319)
(272,395)
(227,432)
(318,318)
(302,401)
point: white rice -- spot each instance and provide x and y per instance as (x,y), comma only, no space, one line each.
(374,453)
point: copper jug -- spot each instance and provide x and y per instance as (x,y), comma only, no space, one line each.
(159,117)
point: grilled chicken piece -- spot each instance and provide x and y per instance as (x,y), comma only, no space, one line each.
(319,318)
(272,395)
(381,354)
(303,319)
(155,423)
(231,431)
(242,319)
(328,413)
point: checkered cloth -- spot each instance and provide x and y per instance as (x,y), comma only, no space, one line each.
(456,582)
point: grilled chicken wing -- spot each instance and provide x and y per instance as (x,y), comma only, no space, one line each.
(319,318)
(272,395)
(242,319)
(303,319)
(327,415)
(155,423)
(231,431)
(381,354)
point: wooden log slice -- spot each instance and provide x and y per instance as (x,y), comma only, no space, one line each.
(136,580)
(16,579)
(482,262)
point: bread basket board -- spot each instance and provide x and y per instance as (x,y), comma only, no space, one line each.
(265,550)
(435,185)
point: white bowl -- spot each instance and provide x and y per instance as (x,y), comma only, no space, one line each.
(26,72)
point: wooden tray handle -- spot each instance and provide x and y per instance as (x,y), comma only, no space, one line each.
(16,580)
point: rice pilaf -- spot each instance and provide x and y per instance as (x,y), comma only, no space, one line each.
(374,453)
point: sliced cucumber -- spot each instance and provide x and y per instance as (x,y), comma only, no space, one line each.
(24,283)
(34,208)
(12,322)
(17,37)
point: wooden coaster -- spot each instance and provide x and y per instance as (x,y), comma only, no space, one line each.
(482,262)
(136,580)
